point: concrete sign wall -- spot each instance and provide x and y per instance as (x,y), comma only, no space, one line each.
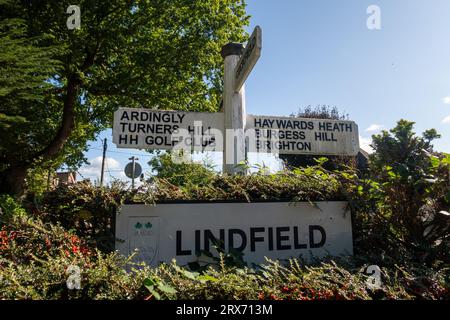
(278,230)
(286,135)
(160,129)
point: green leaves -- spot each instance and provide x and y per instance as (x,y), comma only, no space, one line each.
(152,54)
(412,188)
(156,287)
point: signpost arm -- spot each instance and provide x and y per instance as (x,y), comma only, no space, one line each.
(234,112)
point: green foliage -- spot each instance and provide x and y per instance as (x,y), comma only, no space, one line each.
(39,179)
(183,173)
(35,253)
(26,65)
(9,208)
(401,210)
(399,214)
(321,112)
(295,281)
(59,87)
(303,184)
(35,258)
(87,210)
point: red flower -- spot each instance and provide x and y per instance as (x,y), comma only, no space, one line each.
(85,251)
(5,238)
(74,239)
(48,243)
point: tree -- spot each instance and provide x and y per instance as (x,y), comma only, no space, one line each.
(319,112)
(161,54)
(183,173)
(25,67)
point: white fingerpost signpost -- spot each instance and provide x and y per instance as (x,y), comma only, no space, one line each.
(278,230)
(233,131)
(239,62)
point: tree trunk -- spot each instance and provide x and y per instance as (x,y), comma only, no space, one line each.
(12,180)
(68,121)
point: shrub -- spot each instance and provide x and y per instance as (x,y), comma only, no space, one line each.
(302,184)
(89,211)
(36,257)
(401,210)
(9,208)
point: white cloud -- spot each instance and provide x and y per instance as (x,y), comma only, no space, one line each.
(94,169)
(364,143)
(446,119)
(374,127)
(446,100)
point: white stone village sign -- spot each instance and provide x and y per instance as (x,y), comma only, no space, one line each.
(277,230)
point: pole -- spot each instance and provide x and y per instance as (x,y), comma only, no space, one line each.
(133,159)
(103,161)
(234,112)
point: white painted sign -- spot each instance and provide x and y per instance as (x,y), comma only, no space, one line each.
(277,230)
(164,130)
(248,58)
(233,132)
(287,135)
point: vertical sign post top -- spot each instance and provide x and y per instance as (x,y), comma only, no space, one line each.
(249,57)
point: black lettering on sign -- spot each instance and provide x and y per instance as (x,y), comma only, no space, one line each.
(312,243)
(297,244)
(254,238)
(179,243)
(150,116)
(270,232)
(128,139)
(335,127)
(210,238)
(197,242)
(325,136)
(276,239)
(231,234)
(281,238)
(134,116)
(124,116)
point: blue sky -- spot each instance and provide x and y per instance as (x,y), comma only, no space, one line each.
(321,52)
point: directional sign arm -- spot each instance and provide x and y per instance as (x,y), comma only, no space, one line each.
(249,58)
